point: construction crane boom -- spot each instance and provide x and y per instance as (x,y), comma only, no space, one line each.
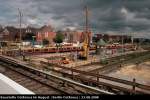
(87,35)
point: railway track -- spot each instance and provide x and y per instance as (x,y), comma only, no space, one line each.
(112,84)
(117,62)
(90,81)
(44,83)
(37,84)
(33,85)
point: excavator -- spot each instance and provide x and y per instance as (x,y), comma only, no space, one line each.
(65,60)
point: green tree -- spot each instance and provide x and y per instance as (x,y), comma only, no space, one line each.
(28,36)
(59,37)
(45,42)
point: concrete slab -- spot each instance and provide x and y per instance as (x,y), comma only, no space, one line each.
(8,86)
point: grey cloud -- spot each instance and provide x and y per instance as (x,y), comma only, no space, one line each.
(105,15)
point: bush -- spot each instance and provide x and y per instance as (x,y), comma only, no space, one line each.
(45,42)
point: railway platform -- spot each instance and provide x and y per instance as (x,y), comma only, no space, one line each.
(8,86)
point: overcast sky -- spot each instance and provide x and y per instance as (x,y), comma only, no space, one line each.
(106,16)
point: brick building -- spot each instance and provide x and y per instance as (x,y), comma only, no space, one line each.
(73,36)
(10,33)
(45,32)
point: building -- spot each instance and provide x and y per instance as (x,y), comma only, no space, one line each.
(45,32)
(112,38)
(10,33)
(73,36)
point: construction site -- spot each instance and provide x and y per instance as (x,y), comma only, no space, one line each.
(118,73)
(92,68)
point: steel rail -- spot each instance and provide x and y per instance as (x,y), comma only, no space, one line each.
(12,61)
(126,82)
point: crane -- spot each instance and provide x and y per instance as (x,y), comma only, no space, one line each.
(87,36)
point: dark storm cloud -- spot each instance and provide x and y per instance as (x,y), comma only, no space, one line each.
(137,5)
(104,15)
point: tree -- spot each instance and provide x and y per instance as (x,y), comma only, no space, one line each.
(59,37)
(28,36)
(3,44)
(45,42)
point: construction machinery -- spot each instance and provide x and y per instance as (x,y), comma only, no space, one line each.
(87,35)
(65,60)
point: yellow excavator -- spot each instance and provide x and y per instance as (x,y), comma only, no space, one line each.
(84,54)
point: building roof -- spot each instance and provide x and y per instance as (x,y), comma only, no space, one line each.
(46,28)
(101,42)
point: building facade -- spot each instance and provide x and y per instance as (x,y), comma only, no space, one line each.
(45,32)
(112,38)
(10,33)
(73,36)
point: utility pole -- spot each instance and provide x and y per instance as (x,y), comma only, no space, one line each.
(20,36)
(122,40)
(20,21)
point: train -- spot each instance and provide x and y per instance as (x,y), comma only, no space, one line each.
(30,51)
(118,46)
